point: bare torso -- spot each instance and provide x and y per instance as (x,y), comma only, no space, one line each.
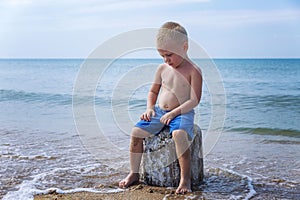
(175,86)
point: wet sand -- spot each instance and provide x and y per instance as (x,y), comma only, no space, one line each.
(144,192)
(136,192)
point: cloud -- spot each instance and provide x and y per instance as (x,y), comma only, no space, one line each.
(91,14)
(101,4)
(73,21)
(15,2)
(130,5)
(236,18)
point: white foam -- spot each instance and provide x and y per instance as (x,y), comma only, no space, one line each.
(26,192)
(251,192)
(27,189)
(242,161)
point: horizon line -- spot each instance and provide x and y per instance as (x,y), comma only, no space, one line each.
(81,58)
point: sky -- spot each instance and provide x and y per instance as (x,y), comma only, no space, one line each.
(224,28)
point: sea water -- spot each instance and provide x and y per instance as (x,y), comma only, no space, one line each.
(43,147)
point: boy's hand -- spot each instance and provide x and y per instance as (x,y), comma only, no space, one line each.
(167,118)
(148,114)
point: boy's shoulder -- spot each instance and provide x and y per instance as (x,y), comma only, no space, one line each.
(192,67)
(162,67)
(196,67)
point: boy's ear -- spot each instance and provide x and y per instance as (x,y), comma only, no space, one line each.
(185,46)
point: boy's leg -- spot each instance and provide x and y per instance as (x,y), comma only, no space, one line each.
(182,145)
(136,152)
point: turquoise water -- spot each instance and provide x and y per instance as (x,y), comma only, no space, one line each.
(263,95)
(40,147)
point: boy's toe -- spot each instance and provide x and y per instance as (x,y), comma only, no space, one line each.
(182,190)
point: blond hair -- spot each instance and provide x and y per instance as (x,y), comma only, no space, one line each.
(171,31)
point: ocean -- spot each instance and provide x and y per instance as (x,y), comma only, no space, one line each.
(66,128)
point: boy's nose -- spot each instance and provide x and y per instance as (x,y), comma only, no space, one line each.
(166,60)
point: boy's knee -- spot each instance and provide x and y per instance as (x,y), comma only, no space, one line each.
(181,140)
(139,133)
(179,135)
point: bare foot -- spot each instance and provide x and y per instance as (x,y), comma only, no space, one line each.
(184,187)
(131,179)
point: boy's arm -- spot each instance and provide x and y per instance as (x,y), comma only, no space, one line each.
(152,96)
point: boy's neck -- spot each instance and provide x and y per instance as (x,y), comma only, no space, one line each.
(184,61)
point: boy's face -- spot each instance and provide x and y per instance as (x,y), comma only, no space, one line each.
(172,53)
(170,58)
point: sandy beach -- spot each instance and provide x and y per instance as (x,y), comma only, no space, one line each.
(255,181)
(144,192)
(135,192)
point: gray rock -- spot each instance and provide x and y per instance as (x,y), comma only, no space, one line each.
(160,166)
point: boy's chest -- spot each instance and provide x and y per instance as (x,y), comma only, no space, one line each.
(174,80)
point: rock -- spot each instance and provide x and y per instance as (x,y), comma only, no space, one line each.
(160,166)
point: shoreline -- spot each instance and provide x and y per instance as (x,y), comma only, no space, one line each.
(145,192)
(135,192)
(230,173)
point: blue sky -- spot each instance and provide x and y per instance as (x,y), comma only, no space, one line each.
(74,28)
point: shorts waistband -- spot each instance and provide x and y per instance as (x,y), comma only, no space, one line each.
(162,110)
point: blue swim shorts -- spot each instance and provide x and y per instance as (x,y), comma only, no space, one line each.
(183,122)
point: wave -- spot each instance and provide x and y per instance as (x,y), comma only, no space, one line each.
(50,98)
(27,189)
(274,101)
(234,179)
(27,97)
(219,184)
(268,131)
(280,100)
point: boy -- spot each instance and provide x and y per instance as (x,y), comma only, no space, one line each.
(177,87)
